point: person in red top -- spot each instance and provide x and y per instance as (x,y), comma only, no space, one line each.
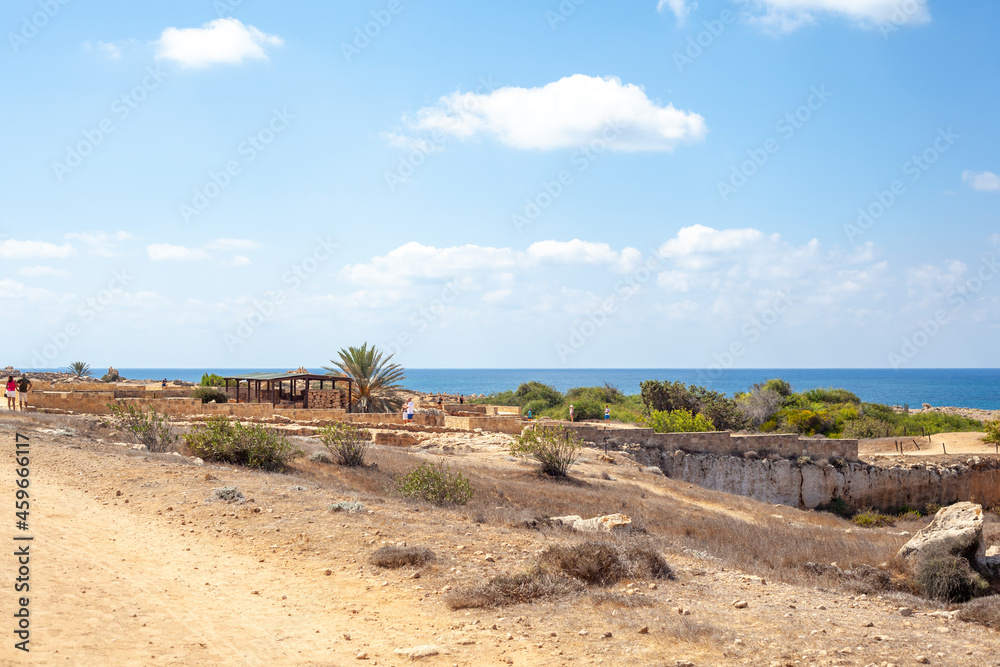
(11,393)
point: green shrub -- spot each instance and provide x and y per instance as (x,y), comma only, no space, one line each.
(872,519)
(209,394)
(831,395)
(435,484)
(555,448)
(250,445)
(536,391)
(142,427)
(778,385)
(944,576)
(992,429)
(347,443)
(212,380)
(866,427)
(585,410)
(809,422)
(679,421)
(536,407)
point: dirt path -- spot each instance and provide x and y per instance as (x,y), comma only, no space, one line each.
(937,444)
(115,586)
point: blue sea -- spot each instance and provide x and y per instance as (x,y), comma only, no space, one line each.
(961,387)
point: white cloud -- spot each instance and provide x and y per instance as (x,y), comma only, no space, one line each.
(984,181)
(102,244)
(564,114)
(681,8)
(34,249)
(789,15)
(233,244)
(239,260)
(165,252)
(701,239)
(11,289)
(39,271)
(110,50)
(225,41)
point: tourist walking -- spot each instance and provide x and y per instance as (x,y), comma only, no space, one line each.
(23,387)
(571,412)
(409,411)
(11,393)
(607,413)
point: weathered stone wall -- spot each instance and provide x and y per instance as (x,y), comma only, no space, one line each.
(716,442)
(498,424)
(784,482)
(326,399)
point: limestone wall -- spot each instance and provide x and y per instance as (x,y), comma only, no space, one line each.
(324,399)
(860,485)
(496,424)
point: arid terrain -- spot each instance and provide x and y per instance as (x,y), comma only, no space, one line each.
(136,561)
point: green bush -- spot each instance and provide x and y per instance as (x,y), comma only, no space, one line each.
(992,429)
(944,576)
(839,507)
(866,427)
(831,395)
(678,421)
(872,519)
(536,391)
(250,445)
(209,394)
(555,448)
(584,410)
(536,407)
(142,427)
(782,387)
(212,380)
(347,443)
(435,484)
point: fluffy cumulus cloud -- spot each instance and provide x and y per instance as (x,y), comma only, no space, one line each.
(222,41)
(566,113)
(11,249)
(984,181)
(680,8)
(789,15)
(102,244)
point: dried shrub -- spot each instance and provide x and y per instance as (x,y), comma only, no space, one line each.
(394,557)
(871,518)
(985,611)
(349,506)
(347,443)
(944,576)
(320,457)
(229,494)
(505,590)
(623,600)
(602,563)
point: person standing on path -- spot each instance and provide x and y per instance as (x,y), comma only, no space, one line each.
(409,411)
(11,393)
(607,414)
(23,387)
(571,412)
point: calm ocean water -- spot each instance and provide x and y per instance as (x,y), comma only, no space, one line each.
(964,387)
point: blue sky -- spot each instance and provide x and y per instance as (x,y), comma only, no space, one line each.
(782,183)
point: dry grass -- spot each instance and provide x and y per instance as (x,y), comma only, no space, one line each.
(395,557)
(601,563)
(985,611)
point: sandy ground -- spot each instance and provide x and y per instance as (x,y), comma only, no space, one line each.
(134,562)
(935,445)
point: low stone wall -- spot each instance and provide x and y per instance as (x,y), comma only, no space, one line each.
(325,399)
(784,482)
(714,442)
(497,424)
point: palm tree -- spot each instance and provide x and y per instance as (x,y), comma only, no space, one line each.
(80,369)
(376,381)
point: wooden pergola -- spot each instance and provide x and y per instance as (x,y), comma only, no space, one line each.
(275,382)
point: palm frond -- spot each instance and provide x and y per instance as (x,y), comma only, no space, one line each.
(376,380)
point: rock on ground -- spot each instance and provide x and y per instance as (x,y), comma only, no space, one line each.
(958,528)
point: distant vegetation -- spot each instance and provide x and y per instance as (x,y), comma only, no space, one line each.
(80,369)
(376,381)
(766,407)
(212,380)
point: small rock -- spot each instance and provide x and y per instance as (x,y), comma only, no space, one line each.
(905,611)
(606,635)
(740,604)
(644,630)
(327,572)
(417,652)
(684,663)
(583,633)
(361,656)
(923,660)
